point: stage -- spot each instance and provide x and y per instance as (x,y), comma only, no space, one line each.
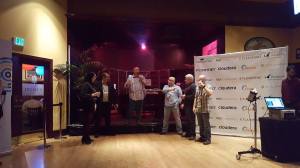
(139,151)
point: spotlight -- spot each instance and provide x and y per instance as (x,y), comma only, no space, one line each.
(143,46)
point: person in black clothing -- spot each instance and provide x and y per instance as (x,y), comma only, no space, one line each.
(88,100)
(188,100)
(105,102)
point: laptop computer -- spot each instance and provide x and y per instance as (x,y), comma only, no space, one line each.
(274,103)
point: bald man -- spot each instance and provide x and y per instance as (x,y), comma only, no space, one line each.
(200,108)
(136,87)
(173,95)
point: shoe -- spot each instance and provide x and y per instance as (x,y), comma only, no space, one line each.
(200,140)
(163,133)
(191,138)
(207,142)
(179,133)
(86,141)
(96,135)
(183,134)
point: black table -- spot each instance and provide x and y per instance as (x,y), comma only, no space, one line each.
(280,139)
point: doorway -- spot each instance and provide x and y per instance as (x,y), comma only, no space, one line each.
(32,94)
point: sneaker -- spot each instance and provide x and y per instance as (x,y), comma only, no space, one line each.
(207,142)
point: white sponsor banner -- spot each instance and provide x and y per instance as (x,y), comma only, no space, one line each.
(5,77)
(232,76)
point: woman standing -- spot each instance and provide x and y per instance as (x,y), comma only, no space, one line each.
(88,100)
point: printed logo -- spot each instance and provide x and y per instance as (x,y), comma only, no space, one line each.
(201,60)
(274,77)
(226,79)
(228,68)
(247,57)
(227,88)
(205,70)
(227,127)
(246,129)
(245,87)
(212,107)
(227,107)
(250,78)
(245,67)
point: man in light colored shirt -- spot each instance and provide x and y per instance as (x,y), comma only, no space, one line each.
(173,95)
(200,108)
(136,87)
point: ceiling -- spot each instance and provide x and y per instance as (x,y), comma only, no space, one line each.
(275,13)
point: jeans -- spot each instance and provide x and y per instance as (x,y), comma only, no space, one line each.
(190,120)
(176,115)
(137,106)
(203,125)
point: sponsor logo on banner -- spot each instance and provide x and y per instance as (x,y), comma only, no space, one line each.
(243,98)
(202,60)
(213,126)
(246,119)
(274,77)
(226,79)
(211,107)
(205,69)
(6,72)
(227,107)
(245,87)
(245,67)
(265,65)
(246,129)
(267,54)
(250,77)
(270,86)
(213,88)
(227,68)
(232,58)
(227,88)
(246,108)
(227,127)
(247,57)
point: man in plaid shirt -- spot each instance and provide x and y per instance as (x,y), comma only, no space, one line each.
(200,108)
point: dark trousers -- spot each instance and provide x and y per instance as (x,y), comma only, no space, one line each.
(190,120)
(87,119)
(103,111)
(204,126)
(137,106)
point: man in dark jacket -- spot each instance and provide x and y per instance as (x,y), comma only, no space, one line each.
(106,101)
(188,100)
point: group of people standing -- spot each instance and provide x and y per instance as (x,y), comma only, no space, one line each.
(99,97)
(194,100)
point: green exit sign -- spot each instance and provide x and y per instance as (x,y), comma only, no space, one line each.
(19,41)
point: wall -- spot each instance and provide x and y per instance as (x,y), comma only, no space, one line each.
(43,25)
(236,37)
(295,44)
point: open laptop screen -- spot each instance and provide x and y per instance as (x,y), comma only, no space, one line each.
(274,102)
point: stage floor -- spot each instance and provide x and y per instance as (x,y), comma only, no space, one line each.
(139,151)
